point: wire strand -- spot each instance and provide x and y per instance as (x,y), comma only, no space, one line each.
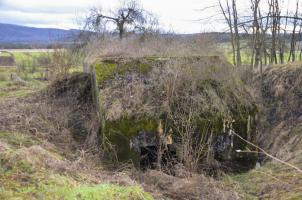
(269,155)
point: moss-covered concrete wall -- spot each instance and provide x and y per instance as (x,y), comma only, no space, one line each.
(138,93)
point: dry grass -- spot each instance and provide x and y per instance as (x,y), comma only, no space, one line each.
(153,45)
(51,116)
(59,63)
(280,122)
(280,95)
(47,151)
(191,95)
(193,187)
(271,181)
(38,171)
(46,118)
(40,150)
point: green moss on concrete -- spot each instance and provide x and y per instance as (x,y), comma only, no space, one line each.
(119,132)
(143,68)
(109,68)
(129,126)
(105,71)
(214,88)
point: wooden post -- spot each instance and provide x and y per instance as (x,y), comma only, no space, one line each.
(95,91)
(99,109)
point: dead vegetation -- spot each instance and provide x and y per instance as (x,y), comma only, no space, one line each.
(280,92)
(151,45)
(193,187)
(52,113)
(48,142)
(59,133)
(193,98)
(59,63)
(40,170)
(48,145)
(279,128)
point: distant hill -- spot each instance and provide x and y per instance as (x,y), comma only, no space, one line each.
(15,34)
(19,37)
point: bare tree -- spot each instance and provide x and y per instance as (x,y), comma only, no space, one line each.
(231,16)
(236,32)
(256,48)
(293,42)
(268,28)
(128,17)
(282,46)
(275,20)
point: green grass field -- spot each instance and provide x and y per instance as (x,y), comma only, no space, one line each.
(30,68)
(29,74)
(246,54)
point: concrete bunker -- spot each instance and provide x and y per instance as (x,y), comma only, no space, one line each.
(138,95)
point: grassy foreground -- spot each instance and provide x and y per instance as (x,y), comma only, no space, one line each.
(28,171)
(271,181)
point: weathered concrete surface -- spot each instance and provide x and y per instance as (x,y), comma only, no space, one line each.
(137,94)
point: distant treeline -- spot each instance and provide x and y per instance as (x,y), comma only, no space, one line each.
(33,46)
(219,37)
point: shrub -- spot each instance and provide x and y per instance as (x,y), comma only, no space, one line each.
(60,63)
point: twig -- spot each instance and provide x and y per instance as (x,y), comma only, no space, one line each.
(269,175)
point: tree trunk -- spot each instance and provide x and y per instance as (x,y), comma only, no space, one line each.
(292,53)
(236,32)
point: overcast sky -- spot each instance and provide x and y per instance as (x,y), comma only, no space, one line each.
(176,15)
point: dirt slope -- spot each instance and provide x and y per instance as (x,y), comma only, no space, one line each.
(280,92)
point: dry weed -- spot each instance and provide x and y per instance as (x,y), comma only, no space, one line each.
(153,45)
(195,187)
